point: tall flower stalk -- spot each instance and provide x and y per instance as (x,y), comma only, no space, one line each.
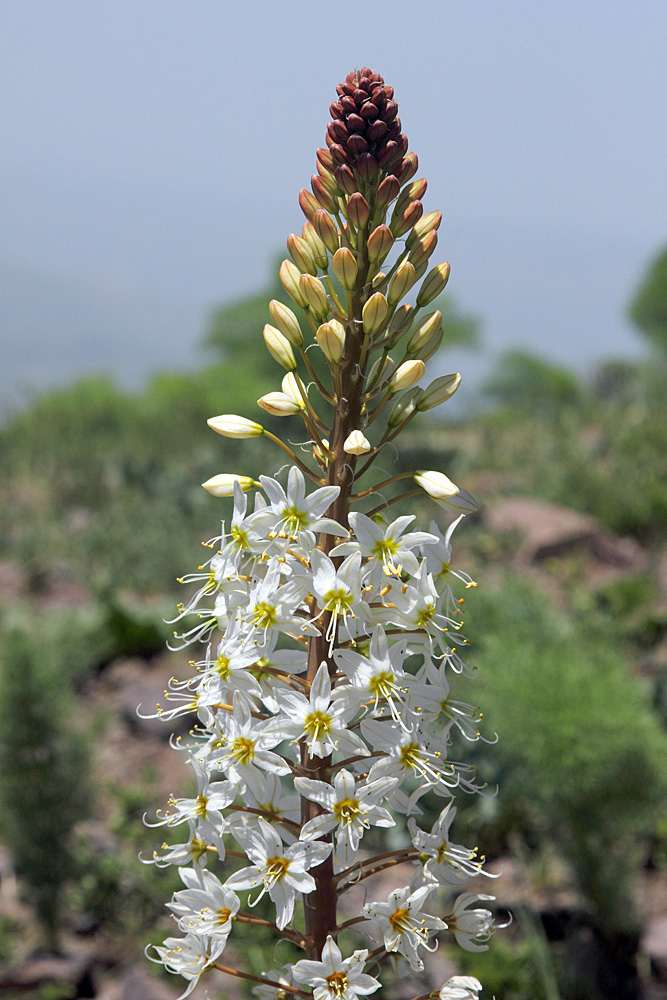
(329,632)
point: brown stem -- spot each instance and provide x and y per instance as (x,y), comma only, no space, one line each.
(287,933)
(276,817)
(260,979)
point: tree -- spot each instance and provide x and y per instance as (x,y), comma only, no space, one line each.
(648,309)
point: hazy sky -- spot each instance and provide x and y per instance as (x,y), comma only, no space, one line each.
(154,150)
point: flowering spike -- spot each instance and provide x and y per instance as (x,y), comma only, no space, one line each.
(328,633)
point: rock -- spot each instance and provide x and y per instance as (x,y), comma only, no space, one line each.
(43,969)
(654,944)
(138,984)
(133,683)
(13,582)
(549,531)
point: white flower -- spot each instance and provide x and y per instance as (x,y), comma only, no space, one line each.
(388,546)
(294,511)
(205,907)
(447,863)
(404,927)
(187,957)
(246,745)
(460,988)
(338,591)
(380,676)
(280,870)
(321,719)
(336,978)
(350,810)
(356,443)
(471,928)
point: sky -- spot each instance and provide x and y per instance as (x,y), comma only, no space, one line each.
(154,151)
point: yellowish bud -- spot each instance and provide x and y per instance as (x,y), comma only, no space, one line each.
(426,224)
(379,244)
(436,484)
(223,485)
(301,254)
(285,320)
(428,349)
(404,406)
(434,283)
(326,230)
(439,391)
(331,338)
(421,252)
(279,347)
(289,276)
(374,313)
(294,388)
(378,279)
(379,370)
(414,191)
(278,404)
(315,245)
(425,332)
(232,426)
(356,444)
(345,268)
(406,375)
(314,294)
(402,281)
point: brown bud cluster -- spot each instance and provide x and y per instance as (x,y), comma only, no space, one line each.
(365,132)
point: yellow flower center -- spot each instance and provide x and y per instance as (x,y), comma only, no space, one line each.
(222,664)
(400,920)
(337,983)
(339,601)
(382,684)
(294,519)
(222,916)
(346,810)
(202,805)
(275,869)
(239,536)
(424,616)
(412,757)
(264,615)
(242,749)
(317,724)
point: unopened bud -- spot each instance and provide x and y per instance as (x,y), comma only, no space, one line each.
(223,485)
(421,252)
(285,320)
(374,313)
(434,283)
(379,243)
(424,225)
(293,387)
(427,350)
(279,347)
(326,230)
(402,281)
(367,166)
(436,484)
(278,404)
(316,246)
(379,370)
(324,198)
(344,266)
(404,407)
(407,218)
(439,391)
(345,179)
(425,332)
(406,375)
(400,323)
(329,181)
(301,254)
(378,279)
(289,276)
(331,338)
(232,426)
(325,158)
(356,444)
(387,191)
(357,210)
(414,191)
(314,294)
(407,168)
(309,204)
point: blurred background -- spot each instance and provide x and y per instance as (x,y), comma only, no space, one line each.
(152,158)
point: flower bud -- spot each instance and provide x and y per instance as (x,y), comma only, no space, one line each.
(407,168)
(407,218)
(314,294)
(356,444)
(425,332)
(424,225)
(278,404)
(324,158)
(404,406)
(357,210)
(315,245)
(411,192)
(331,338)
(378,279)
(439,391)
(309,204)
(285,320)
(344,266)
(232,426)
(374,313)
(223,485)
(401,282)
(400,322)
(379,243)
(301,254)
(436,484)
(434,283)
(406,375)
(428,349)
(421,252)
(386,192)
(326,200)
(345,179)
(379,370)
(279,347)
(328,180)
(326,230)
(289,275)
(367,166)
(294,389)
